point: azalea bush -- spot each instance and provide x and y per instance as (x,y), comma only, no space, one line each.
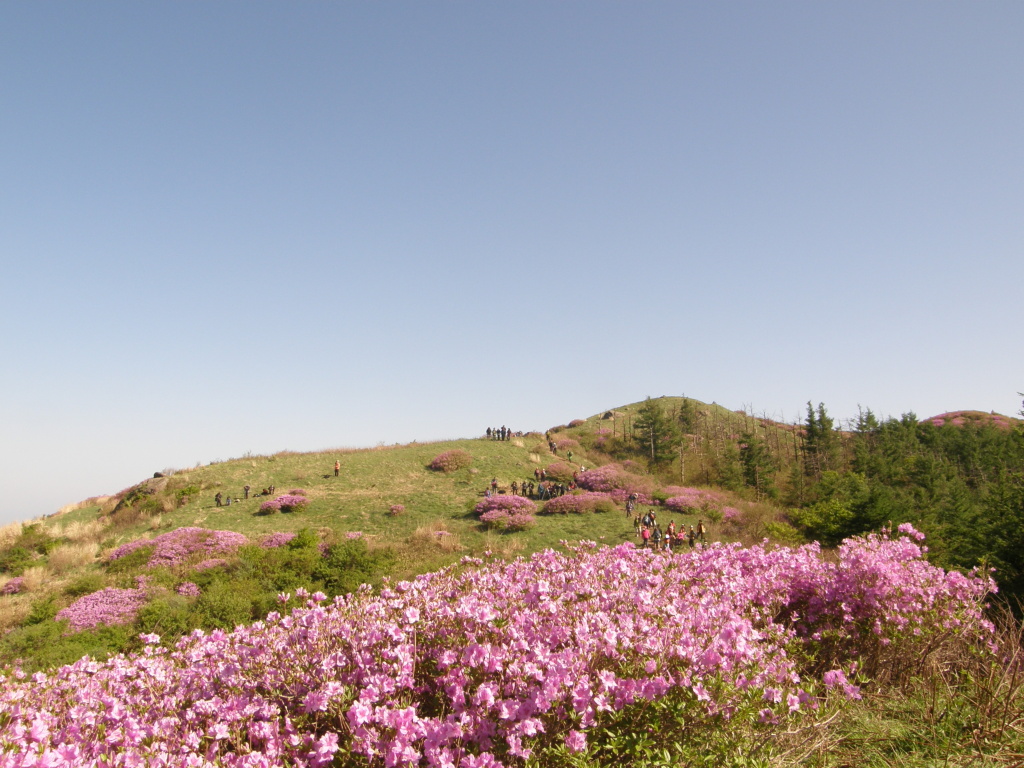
(509,504)
(580,504)
(503,520)
(396,509)
(491,664)
(692,500)
(287,502)
(560,472)
(450,461)
(613,477)
(180,546)
(107,606)
(567,444)
(275,540)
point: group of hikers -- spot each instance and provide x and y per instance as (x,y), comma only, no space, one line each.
(648,530)
(542,490)
(504,433)
(223,501)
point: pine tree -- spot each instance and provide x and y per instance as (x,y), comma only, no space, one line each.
(758,467)
(657,436)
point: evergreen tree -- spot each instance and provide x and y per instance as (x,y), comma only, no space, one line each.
(758,467)
(820,441)
(656,435)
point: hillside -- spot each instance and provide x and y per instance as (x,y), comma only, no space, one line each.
(163,557)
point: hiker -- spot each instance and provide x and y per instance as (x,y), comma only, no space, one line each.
(531,489)
(228,504)
(488,433)
(494,484)
(515,488)
(245,490)
(337,468)
(636,524)
(692,536)
(569,455)
(701,531)
(217,497)
(680,537)
(645,534)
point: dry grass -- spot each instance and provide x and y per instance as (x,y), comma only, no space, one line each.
(9,533)
(14,609)
(502,545)
(35,578)
(69,556)
(436,534)
(79,530)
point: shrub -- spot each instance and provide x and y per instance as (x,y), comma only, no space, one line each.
(577,423)
(396,509)
(692,500)
(508,504)
(274,540)
(108,606)
(580,504)
(292,502)
(297,492)
(450,461)
(614,479)
(503,520)
(178,546)
(188,589)
(567,444)
(13,586)
(560,472)
(84,585)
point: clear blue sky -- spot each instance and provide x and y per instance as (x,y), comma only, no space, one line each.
(243,226)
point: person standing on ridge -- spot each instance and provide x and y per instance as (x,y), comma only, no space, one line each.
(337,467)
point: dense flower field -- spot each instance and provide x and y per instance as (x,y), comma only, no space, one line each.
(482,666)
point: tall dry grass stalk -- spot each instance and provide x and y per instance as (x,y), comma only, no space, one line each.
(69,556)
(154,522)
(34,578)
(9,533)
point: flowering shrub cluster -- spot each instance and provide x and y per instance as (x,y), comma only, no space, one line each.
(576,423)
(694,499)
(183,544)
(188,589)
(396,509)
(567,444)
(482,667)
(579,504)
(503,520)
(275,540)
(288,502)
(107,606)
(613,477)
(449,461)
(509,504)
(560,472)
(297,492)
(13,586)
